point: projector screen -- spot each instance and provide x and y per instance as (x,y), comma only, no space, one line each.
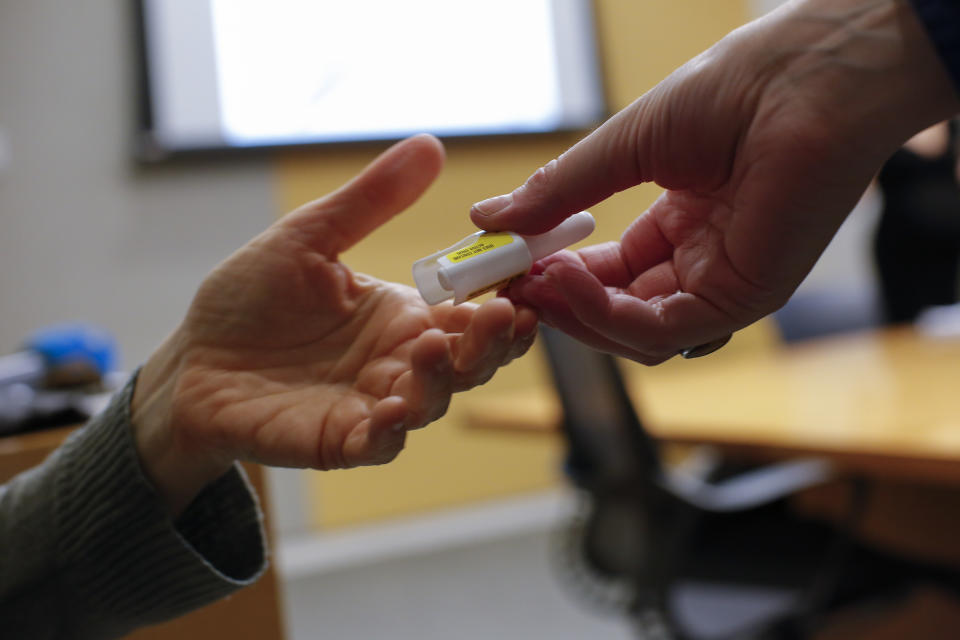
(263,73)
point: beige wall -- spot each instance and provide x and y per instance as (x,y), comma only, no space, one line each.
(641,41)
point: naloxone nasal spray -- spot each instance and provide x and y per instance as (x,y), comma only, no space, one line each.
(486,261)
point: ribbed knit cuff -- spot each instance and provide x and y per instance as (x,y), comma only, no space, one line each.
(941,19)
(123,556)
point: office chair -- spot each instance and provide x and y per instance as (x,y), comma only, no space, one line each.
(715,555)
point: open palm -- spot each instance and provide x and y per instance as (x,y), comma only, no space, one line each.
(289,358)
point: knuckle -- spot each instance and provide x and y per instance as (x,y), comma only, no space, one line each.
(537,186)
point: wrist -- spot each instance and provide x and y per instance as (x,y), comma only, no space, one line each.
(177,471)
(866,66)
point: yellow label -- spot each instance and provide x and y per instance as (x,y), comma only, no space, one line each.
(485,242)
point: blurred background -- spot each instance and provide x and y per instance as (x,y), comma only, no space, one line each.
(105,220)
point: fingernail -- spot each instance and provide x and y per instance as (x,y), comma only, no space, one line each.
(551,271)
(704,349)
(493,205)
(397,428)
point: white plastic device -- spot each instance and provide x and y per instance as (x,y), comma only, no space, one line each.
(485,261)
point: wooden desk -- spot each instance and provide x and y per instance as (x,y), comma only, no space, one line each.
(253,613)
(884,403)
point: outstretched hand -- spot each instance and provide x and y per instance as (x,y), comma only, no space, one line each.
(763,143)
(289,358)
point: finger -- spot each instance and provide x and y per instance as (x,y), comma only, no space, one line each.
(387,186)
(616,264)
(659,281)
(428,385)
(595,168)
(607,262)
(564,255)
(644,244)
(525,326)
(453,319)
(660,328)
(485,344)
(379,438)
(524,332)
(554,311)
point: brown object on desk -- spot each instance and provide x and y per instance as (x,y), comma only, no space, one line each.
(880,403)
(251,613)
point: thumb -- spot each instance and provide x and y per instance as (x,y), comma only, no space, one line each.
(595,168)
(387,186)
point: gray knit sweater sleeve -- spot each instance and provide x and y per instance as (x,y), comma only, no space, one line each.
(88,551)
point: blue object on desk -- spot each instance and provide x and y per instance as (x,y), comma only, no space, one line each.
(56,377)
(75,344)
(70,347)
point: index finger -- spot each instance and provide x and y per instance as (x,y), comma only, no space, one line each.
(595,168)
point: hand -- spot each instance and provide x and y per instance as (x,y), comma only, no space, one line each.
(288,358)
(764,144)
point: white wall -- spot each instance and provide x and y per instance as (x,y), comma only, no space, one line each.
(84,233)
